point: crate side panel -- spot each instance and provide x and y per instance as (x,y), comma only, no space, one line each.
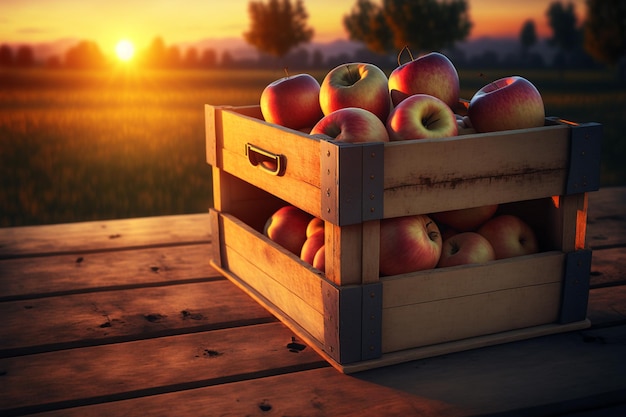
(459,318)
(291,286)
(435,175)
(242,199)
(281,297)
(466,280)
(302,151)
(284,269)
(292,190)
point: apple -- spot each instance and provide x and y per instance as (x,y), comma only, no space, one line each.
(408,244)
(311,246)
(465,248)
(314,225)
(356,84)
(352,124)
(466,219)
(421,117)
(508,103)
(319,261)
(432,74)
(509,236)
(292,101)
(287,227)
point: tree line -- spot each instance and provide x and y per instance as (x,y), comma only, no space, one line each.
(279,29)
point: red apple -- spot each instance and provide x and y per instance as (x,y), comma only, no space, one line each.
(467,219)
(421,117)
(311,246)
(408,244)
(319,261)
(508,103)
(356,85)
(292,101)
(287,227)
(352,124)
(314,225)
(465,248)
(509,236)
(432,74)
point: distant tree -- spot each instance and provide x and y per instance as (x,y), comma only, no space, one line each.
(367,23)
(317,59)
(277,26)
(209,58)
(422,25)
(191,59)
(6,56)
(53,61)
(566,35)
(173,59)
(605,30)
(85,55)
(25,56)
(156,54)
(528,37)
(228,61)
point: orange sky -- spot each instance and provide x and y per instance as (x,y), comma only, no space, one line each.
(107,21)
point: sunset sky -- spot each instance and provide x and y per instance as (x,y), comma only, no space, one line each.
(108,21)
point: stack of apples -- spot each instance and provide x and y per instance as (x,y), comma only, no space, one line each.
(300,233)
(417,242)
(357,102)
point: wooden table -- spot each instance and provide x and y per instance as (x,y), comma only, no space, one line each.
(126,317)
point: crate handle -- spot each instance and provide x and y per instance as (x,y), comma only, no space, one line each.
(269,162)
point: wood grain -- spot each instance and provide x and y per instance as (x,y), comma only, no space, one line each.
(104,235)
(315,393)
(126,370)
(62,322)
(32,277)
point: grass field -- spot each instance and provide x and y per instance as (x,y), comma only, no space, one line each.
(99,145)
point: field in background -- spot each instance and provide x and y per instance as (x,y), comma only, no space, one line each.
(80,146)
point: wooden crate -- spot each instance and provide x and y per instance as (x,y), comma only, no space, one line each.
(355,318)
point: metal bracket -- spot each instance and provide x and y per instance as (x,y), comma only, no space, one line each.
(372,321)
(352,321)
(575,294)
(342,322)
(585,157)
(351,181)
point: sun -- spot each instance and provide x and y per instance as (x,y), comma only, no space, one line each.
(125,50)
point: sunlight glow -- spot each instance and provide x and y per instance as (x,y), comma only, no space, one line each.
(125,50)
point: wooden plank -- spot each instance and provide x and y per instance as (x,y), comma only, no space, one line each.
(125,370)
(459,281)
(473,315)
(276,274)
(49,275)
(607,201)
(230,132)
(53,323)
(608,266)
(344,253)
(283,267)
(428,176)
(104,235)
(317,392)
(301,150)
(607,305)
(607,218)
(552,375)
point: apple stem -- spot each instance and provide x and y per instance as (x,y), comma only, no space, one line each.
(350,74)
(286,69)
(408,50)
